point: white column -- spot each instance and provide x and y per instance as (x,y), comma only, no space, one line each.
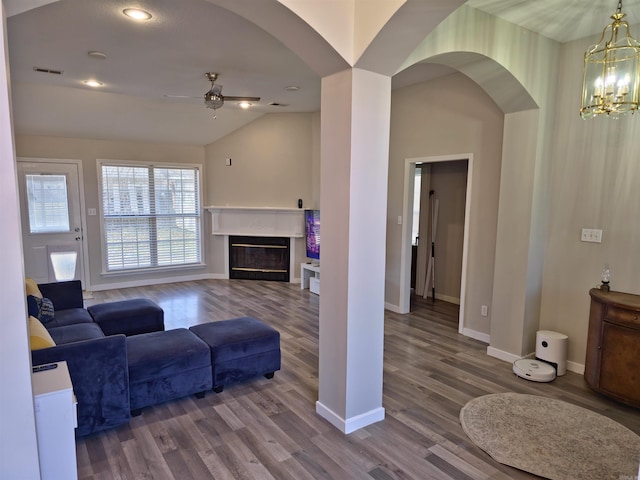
(353,190)
(18,443)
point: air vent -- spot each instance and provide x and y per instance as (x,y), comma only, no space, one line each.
(276,104)
(48,70)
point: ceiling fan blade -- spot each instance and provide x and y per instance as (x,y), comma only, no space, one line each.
(229,98)
(167,95)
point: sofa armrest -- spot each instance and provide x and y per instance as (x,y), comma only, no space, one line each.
(100,377)
(64,295)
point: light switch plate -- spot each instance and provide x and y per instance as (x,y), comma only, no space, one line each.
(592,235)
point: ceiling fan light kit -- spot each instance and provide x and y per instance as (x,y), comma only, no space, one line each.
(611,82)
(214,99)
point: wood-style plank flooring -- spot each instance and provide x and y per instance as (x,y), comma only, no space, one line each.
(268,429)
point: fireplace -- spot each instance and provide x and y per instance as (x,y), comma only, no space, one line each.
(259,258)
(258,223)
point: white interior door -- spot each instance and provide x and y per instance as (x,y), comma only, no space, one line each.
(51,215)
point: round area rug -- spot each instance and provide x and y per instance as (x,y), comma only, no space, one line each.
(551,438)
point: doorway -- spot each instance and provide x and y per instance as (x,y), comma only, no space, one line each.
(407,240)
(51,211)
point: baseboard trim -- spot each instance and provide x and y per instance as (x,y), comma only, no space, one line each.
(502,355)
(575,367)
(156,281)
(483,337)
(392,308)
(352,424)
(446,298)
(510,357)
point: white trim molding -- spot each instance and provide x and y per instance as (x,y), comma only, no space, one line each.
(351,424)
(257,221)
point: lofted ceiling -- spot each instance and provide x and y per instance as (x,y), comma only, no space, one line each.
(154,72)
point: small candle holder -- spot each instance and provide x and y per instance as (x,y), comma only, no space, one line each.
(605,278)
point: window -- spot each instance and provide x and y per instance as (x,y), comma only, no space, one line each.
(151,216)
(47,203)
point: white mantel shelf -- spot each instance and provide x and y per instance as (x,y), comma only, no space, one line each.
(257,221)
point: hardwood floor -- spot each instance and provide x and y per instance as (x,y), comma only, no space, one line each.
(268,429)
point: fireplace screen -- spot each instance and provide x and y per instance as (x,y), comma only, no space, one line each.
(259,258)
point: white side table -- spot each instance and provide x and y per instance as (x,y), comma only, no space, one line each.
(56,419)
(310,277)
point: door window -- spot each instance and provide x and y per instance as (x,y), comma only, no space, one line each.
(47,203)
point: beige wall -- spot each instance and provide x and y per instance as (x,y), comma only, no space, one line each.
(559,174)
(449,116)
(272,165)
(88,151)
(595,184)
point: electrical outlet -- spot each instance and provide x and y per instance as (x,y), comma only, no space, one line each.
(484,310)
(592,235)
(91,211)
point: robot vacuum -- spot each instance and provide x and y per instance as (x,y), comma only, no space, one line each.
(534,370)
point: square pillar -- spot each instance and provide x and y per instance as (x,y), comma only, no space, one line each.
(355,119)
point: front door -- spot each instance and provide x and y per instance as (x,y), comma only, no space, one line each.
(51,221)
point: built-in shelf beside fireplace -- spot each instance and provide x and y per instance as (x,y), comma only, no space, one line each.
(257,227)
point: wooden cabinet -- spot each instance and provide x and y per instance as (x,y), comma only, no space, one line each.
(612,365)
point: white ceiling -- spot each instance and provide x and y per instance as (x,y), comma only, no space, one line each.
(149,62)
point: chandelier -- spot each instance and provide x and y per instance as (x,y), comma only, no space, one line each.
(611,83)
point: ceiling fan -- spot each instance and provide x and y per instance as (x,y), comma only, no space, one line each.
(214,98)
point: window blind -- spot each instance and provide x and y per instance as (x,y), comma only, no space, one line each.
(151,216)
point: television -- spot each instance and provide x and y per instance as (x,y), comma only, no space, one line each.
(312,233)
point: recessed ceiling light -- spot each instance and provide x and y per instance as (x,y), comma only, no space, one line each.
(137,14)
(93,83)
(292,88)
(245,104)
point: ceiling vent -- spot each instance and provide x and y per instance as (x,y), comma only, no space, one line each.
(276,104)
(48,70)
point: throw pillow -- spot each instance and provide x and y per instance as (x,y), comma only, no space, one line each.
(38,335)
(41,308)
(32,288)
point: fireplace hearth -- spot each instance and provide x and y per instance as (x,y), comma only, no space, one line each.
(259,258)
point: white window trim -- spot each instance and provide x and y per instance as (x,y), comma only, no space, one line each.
(133,271)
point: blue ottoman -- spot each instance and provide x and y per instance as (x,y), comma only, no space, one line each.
(130,317)
(166,365)
(241,348)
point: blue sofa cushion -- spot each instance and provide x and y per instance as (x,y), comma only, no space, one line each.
(237,338)
(75,333)
(64,295)
(158,354)
(71,316)
(167,365)
(131,317)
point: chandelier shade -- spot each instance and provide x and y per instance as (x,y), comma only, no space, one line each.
(611,82)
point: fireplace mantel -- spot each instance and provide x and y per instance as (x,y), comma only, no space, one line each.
(257,221)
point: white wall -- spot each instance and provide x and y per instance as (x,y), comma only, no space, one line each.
(18,446)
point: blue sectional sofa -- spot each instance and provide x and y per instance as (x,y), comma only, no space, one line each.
(121,359)
(97,363)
